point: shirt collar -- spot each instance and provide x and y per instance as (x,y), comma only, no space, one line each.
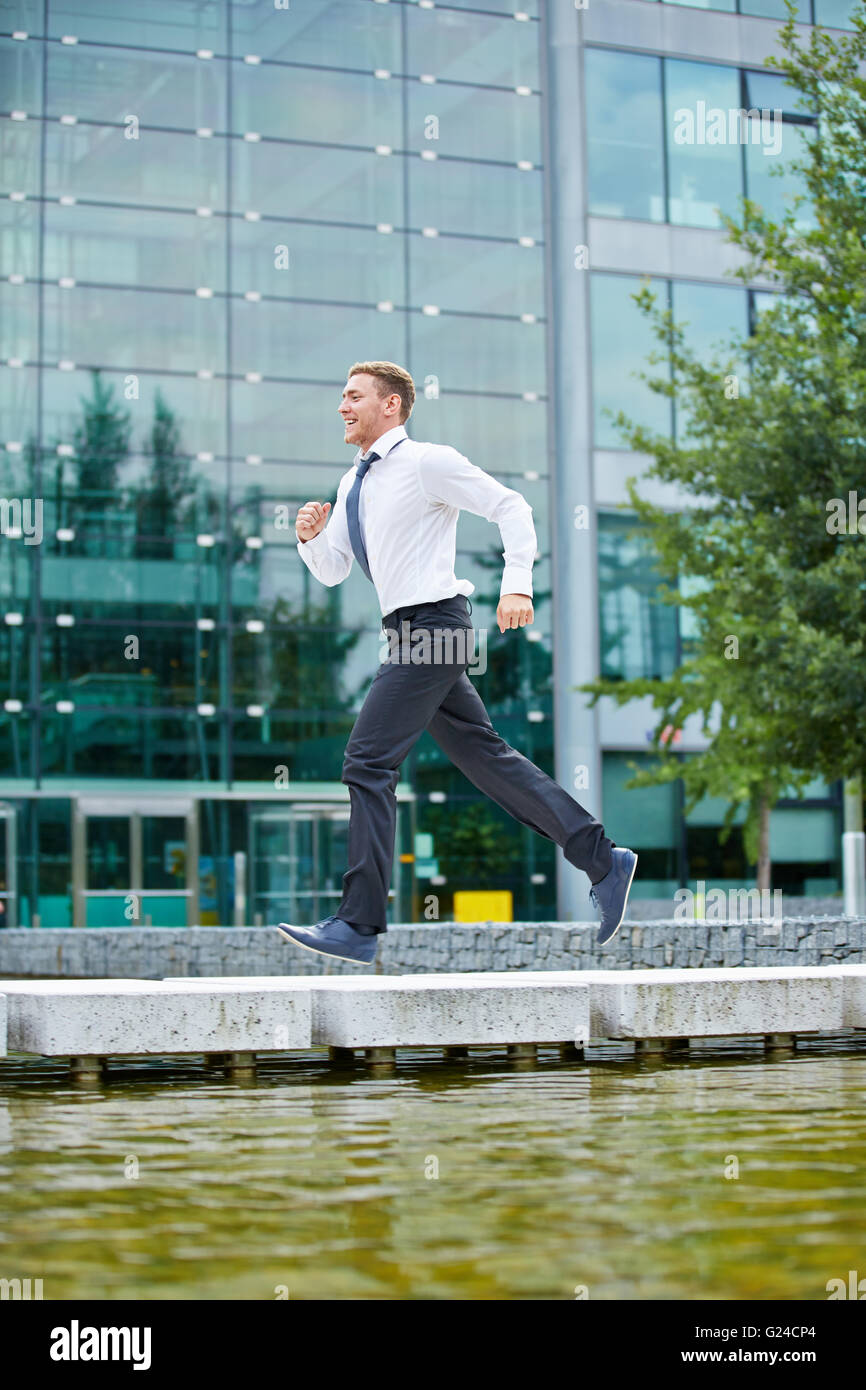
(385,443)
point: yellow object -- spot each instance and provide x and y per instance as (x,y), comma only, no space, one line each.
(484,907)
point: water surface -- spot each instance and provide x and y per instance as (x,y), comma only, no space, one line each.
(489,1179)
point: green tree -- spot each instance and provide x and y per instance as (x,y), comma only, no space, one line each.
(101,445)
(774,667)
(471,844)
(162,500)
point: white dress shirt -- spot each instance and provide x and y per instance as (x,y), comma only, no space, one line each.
(410,500)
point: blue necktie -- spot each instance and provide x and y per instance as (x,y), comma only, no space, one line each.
(352,514)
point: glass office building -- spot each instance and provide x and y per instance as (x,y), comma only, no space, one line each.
(208,210)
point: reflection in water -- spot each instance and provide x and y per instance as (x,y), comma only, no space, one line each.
(320,1178)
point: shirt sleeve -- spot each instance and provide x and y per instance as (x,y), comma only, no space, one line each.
(447,476)
(329,555)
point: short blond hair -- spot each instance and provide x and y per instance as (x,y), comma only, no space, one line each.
(393,379)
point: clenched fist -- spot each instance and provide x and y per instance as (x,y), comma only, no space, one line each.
(514,610)
(310,519)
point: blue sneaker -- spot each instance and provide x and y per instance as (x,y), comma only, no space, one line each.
(610,894)
(333,937)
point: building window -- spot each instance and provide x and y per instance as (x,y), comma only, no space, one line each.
(665,141)
(638,632)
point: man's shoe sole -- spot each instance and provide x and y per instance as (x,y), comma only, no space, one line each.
(624,905)
(353,960)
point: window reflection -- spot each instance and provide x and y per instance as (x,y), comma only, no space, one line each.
(638,632)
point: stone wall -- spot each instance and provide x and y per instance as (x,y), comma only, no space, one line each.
(155,952)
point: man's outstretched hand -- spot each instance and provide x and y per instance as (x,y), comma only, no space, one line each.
(310,519)
(515,610)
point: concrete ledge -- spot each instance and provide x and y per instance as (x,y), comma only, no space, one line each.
(713,1003)
(424,1011)
(644,1004)
(853,979)
(438,1010)
(92,1019)
(3,1024)
(133,1017)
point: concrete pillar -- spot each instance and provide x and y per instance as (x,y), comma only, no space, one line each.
(780,1042)
(523,1050)
(381,1056)
(240,1063)
(575,627)
(240,905)
(457,1052)
(650,1047)
(87,1070)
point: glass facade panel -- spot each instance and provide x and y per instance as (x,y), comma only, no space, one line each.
(347,108)
(771,181)
(728,6)
(621,342)
(648,820)
(19,237)
(327,33)
(476,276)
(770,90)
(288,339)
(496,433)
(625,141)
(24,15)
(638,632)
(177,171)
(20,76)
(133,247)
(320,262)
(471,124)
(769,9)
(90,663)
(473,47)
(111,86)
(19,167)
(511,359)
(347,186)
(18,412)
(834,14)
(485,200)
(683,168)
(19,322)
(183,25)
(704,164)
(710,315)
(129,330)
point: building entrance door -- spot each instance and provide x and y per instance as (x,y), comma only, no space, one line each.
(135,861)
(297,861)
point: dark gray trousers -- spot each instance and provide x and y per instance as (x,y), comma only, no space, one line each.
(436,694)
